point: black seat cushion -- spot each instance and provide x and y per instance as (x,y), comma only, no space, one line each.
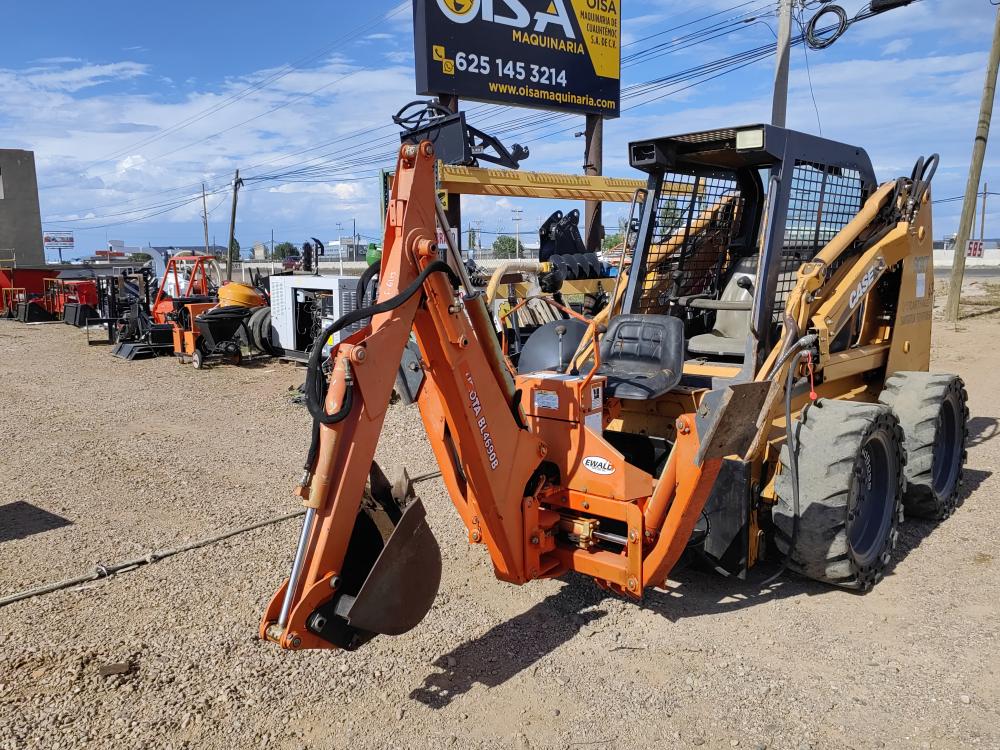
(541,350)
(642,356)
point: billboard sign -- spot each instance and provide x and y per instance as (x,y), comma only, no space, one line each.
(58,240)
(563,55)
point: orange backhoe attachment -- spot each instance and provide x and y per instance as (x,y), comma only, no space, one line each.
(523,457)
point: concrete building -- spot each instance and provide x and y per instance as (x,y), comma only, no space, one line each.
(20,216)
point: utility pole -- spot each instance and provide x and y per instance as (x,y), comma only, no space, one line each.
(354,239)
(237,183)
(340,246)
(204,216)
(593,165)
(779,102)
(517,232)
(975,175)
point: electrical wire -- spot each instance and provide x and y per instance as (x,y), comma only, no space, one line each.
(812,92)
(819,41)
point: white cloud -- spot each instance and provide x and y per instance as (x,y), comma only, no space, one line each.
(72,79)
(896,46)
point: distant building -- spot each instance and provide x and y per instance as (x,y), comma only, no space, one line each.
(349,248)
(20,216)
(116,252)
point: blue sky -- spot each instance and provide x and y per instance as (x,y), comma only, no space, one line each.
(131,107)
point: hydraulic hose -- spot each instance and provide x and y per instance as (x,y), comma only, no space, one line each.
(795,353)
(923,172)
(366,278)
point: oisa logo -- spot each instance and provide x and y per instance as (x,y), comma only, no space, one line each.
(509,13)
(459,8)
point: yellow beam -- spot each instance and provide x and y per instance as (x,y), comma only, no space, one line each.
(518,184)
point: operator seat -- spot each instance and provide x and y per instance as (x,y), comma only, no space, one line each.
(728,337)
(642,356)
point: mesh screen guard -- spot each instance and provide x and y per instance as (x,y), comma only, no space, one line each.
(697,217)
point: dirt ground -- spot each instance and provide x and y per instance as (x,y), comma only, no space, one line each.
(102,461)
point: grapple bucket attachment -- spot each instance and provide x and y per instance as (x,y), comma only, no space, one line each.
(392,569)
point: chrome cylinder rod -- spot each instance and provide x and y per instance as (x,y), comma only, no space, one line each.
(293,579)
(454,257)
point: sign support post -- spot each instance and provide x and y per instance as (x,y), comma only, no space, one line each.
(454,208)
(593,166)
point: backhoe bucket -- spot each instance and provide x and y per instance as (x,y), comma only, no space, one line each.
(392,569)
(401,586)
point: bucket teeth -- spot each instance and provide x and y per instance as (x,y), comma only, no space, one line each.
(402,488)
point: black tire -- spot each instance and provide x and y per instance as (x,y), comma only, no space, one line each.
(932,410)
(255,327)
(264,333)
(197,359)
(850,467)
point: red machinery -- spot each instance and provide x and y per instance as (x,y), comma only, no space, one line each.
(71,300)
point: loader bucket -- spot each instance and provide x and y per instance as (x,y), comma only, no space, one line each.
(396,567)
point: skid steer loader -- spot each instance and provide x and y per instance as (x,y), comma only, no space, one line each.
(757,385)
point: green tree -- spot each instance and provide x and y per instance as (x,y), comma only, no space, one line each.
(506,246)
(234,250)
(140,257)
(283,250)
(671,215)
(611,240)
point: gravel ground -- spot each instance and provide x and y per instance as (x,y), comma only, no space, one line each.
(104,460)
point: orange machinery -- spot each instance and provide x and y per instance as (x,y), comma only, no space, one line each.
(11,297)
(77,296)
(191,309)
(73,300)
(185,291)
(493,437)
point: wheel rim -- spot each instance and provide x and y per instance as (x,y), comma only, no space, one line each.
(871,500)
(947,448)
